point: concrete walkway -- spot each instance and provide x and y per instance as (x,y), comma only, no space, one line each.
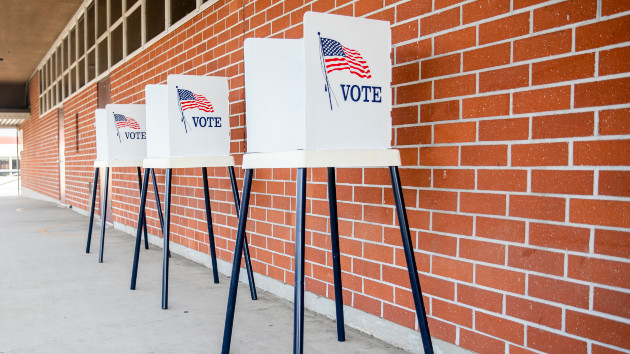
(55,298)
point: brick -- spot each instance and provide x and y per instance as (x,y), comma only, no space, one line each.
(439,156)
(484,155)
(500,229)
(482,203)
(600,212)
(502,180)
(500,327)
(546,154)
(482,9)
(549,342)
(412,9)
(413,135)
(508,27)
(452,268)
(504,79)
(437,243)
(602,33)
(405,73)
(612,302)
(440,21)
(560,237)
(601,153)
(480,343)
(413,51)
(602,93)
(441,66)
(413,93)
(480,298)
(598,349)
(415,177)
(613,243)
(519,4)
(610,7)
(614,121)
(451,312)
(486,106)
(563,125)
(452,223)
(455,132)
(454,178)
(543,45)
(504,129)
(439,111)
(564,13)
(482,251)
(533,207)
(560,291)
(598,328)
(614,61)
(536,260)
(563,69)
(549,99)
(404,115)
(454,41)
(398,315)
(437,287)
(599,271)
(562,182)
(455,86)
(487,57)
(532,311)
(440,200)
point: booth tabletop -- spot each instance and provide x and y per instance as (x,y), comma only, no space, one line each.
(322,158)
(118,163)
(187,162)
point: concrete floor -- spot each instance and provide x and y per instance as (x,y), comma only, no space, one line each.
(55,298)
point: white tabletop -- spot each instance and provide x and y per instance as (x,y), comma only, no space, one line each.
(118,163)
(322,158)
(186,162)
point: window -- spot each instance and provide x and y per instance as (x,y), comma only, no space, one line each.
(115,11)
(134,30)
(154,18)
(91,65)
(117,44)
(73,46)
(80,36)
(101,17)
(181,8)
(90,25)
(102,57)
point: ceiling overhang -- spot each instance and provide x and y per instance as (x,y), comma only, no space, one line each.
(12,119)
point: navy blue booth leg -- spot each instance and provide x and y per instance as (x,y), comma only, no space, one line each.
(298,296)
(103,215)
(411,260)
(158,205)
(213,252)
(89,238)
(236,264)
(248,261)
(144,220)
(334,240)
(141,217)
(166,234)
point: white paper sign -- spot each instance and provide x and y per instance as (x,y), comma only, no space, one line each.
(330,90)
(126,131)
(198,116)
(158,141)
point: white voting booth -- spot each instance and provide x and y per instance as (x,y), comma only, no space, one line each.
(189,127)
(121,133)
(321,101)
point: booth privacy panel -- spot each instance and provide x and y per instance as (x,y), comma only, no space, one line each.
(126,132)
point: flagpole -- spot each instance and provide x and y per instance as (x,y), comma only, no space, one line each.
(179,102)
(323,66)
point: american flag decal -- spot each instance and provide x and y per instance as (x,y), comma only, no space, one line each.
(190,100)
(338,57)
(122,121)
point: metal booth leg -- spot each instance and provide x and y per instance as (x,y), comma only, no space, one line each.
(103,215)
(236,264)
(158,205)
(89,238)
(213,252)
(166,233)
(298,310)
(144,220)
(411,260)
(248,261)
(141,217)
(334,239)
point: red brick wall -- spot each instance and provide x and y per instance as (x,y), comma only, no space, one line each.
(513,121)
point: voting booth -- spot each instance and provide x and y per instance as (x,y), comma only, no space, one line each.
(189,127)
(120,142)
(321,101)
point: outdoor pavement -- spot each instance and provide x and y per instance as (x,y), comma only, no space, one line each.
(55,298)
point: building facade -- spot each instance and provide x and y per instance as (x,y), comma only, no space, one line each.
(513,122)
